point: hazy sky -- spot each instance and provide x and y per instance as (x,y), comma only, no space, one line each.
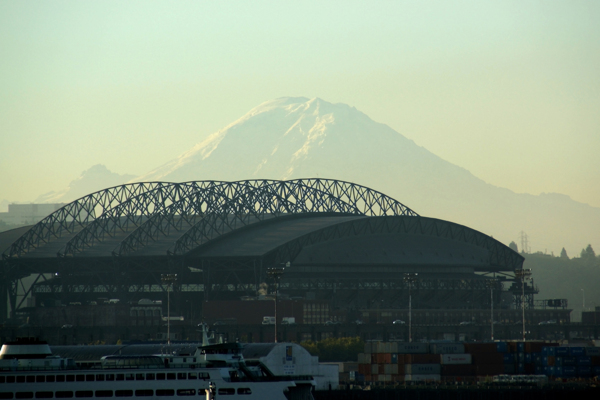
(509,90)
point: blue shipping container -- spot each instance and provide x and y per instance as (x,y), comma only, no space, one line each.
(508,358)
(502,347)
(562,351)
(592,351)
(528,358)
(521,347)
(577,351)
(569,371)
(585,360)
(584,371)
(569,361)
(550,371)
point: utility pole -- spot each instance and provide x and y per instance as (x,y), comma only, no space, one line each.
(168,279)
(410,279)
(491,283)
(276,274)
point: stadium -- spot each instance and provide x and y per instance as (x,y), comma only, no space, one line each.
(343,253)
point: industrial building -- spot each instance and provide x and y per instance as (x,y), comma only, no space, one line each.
(339,254)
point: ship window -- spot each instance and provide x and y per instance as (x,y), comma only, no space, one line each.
(186,392)
(20,379)
(139,377)
(226,391)
(84,393)
(244,391)
(170,376)
(49,378)
(192,375)
(99,377)
(60,378)
(70,378)
(30,378)
(165,392)
(24,395)
(6,395)
(123,393)
(120,377)
(181,375)
(10,379)
(2,379)
(160,377)
(44,395)
(128,377)
(64,394)
(89,378)
(110,377)
(40,378)
(149,377)
(144,393)
(104,393)
(203,375)
(80,378)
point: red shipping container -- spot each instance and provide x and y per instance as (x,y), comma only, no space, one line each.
(401,359)
(387,358)
(422,358)
(368,378)
(489,370)
(381,369)
(488,358)
(551,361)
(534,347)
(529,368)
(401,370)
(512,347)
(480,348)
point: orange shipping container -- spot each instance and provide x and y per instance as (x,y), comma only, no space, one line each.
(387,358)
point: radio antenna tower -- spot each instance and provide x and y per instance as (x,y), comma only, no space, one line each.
(524,243)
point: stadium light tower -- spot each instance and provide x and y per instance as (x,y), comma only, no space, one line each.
(410,279)
(276,274)
(491,283)
(523,275)
(168,279)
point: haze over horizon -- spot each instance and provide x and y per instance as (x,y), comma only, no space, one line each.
(506,90)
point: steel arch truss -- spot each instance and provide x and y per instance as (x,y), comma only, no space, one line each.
(76,215)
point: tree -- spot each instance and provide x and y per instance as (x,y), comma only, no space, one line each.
(588,253)
(514,246)
(563,254)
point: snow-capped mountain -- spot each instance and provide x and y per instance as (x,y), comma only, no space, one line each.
(304,138)
(91,180)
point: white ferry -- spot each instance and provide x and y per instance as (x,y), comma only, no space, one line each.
(28,370)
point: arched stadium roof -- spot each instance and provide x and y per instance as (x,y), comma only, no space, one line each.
(309,221)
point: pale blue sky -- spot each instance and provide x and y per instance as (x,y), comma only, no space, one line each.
(509,90)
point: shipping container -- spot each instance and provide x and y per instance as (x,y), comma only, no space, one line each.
(488,358)
(457,370)
(449,359)
(480,348)
(390,369)
(577,351)
(592,351)
(374,369)
(502,347)
(534,347)
(413,348)
(562,351)
(422,359)
(584,360)
(508,358)
(489,369)
(422,378)
(447,348)
(421,369)
(584,371)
